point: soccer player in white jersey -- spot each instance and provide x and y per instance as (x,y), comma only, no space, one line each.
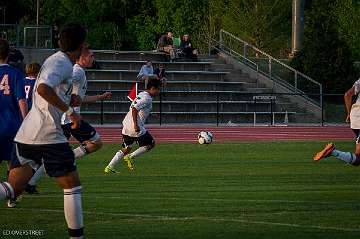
(134,129)
(40,139)
(353,116)
(87,136)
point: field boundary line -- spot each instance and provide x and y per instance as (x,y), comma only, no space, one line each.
(213,219)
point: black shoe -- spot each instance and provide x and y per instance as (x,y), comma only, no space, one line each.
(31,189)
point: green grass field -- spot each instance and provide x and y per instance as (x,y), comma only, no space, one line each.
(234,190)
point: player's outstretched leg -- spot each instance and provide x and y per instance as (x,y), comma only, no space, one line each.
(347,157)
(31,186)
(146,143)
(110,168)
(18,177)
(88,137)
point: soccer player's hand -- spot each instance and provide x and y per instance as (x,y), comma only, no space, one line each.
(106,96)
(76,119)
(137,128)
(75,100)
(348,118)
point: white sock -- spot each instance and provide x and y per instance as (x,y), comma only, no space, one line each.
(37,175)
(137,153)
(117,157)
(79,152)
(73,212)
(347,157)
(6,191)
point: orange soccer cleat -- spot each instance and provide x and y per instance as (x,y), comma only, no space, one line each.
(326,152)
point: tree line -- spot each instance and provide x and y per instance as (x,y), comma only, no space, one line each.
(331,38)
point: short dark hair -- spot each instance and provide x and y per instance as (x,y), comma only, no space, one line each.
(4,49)
(72,35)
(153,83)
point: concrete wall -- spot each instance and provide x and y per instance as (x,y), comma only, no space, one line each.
(36,55)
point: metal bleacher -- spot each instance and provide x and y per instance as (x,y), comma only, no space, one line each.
(207,91)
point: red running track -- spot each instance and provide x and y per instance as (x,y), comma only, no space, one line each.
(238,133)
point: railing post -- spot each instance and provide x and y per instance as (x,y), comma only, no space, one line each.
(160,109)
(101,112)
(217,108)
(296,81)
(322,106)
(272,112)
(270,71)
(254,98)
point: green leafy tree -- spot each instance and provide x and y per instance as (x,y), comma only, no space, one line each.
(349,24)
(265,24)
(325,57)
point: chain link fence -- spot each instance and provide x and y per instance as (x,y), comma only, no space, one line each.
(28,35)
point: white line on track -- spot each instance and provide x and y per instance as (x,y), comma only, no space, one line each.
(195,218)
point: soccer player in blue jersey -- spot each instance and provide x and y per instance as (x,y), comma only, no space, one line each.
(32,70)
(13,106)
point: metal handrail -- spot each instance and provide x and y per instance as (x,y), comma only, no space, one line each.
(271,60)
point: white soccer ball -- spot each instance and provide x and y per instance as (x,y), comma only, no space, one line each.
(205,137)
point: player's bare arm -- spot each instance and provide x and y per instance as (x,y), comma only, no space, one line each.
(348,101)
(134,114)
(50,96)
(23,107)
(94,98)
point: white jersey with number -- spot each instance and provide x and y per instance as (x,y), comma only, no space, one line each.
(79,88)
(143,103)
(43,123)
(355,108)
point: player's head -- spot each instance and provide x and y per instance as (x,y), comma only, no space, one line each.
(32,69)
(87,57)
(72,38)
(4,50)
(170,35)
(153,87)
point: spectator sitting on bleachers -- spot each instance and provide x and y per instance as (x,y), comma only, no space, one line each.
(166,45)
(187,48)
(146,72)
(160,74)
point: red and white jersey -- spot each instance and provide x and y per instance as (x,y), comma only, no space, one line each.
(143,103)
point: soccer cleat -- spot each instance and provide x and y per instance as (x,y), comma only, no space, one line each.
(109,170)
(129,163)
(326,152)
(31,189)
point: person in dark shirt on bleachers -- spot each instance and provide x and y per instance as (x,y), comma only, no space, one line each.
(166,45)
(187,48)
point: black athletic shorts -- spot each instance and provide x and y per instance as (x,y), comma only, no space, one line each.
(144,140)
(84,133)
(58,159)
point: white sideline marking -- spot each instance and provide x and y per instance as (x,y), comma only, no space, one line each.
(197,199)
(170,218)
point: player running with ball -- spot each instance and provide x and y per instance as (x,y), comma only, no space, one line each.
(353,115)
(134,130)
